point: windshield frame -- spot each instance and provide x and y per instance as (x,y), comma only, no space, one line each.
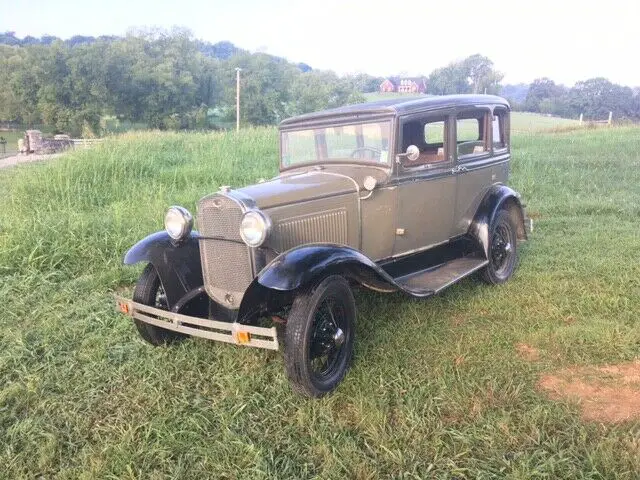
(341,122)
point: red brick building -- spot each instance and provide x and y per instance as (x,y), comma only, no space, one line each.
(404,85)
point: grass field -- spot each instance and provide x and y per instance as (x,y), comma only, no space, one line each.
(447,387)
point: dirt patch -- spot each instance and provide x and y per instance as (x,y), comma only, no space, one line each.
(609,394)
(18,159)
(527,352)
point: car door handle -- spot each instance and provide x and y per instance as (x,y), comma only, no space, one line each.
(459,169)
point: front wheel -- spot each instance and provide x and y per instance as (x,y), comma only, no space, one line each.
(503,254)
(319,337)
(149,291)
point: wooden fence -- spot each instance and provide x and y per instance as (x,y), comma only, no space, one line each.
(602,122)
(85,142)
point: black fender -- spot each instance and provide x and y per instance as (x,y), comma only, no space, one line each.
(300,266)
(497,198)
(177,263)
(276,284)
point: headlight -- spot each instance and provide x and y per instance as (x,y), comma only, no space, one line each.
(178,222)
(254,228)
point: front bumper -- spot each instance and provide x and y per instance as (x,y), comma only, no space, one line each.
(228,332)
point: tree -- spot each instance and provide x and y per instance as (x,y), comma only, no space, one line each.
(542,89)
(482,76)
(474,74)
(596,97)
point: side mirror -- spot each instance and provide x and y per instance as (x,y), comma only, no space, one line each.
(411,154)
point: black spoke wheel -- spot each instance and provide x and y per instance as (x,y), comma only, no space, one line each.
(319,337)
(149,291)
(503,253)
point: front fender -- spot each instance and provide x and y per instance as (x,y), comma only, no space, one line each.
(177,263)
(498,197)
(302,265)
(276,284)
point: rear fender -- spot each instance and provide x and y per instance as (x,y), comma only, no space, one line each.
(177,263)
(497,198)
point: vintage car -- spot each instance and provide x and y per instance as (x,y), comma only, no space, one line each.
(402,195)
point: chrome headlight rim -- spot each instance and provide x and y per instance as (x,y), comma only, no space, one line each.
(178,222)
(265,227)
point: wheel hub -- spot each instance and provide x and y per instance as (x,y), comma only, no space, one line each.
(501,248)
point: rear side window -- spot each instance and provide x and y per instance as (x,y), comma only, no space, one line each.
(470,135)
(498,130)
(468,130)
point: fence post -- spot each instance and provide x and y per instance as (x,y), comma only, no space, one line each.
(580,119)
(610,117)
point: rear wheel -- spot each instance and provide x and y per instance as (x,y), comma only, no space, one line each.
(319,337)
(149,291)
(503,253)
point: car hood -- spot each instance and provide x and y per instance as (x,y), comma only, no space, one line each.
(299,187)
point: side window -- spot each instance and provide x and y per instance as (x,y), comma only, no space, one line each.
(429,135)
(471,138)
(498,130)
(434,133)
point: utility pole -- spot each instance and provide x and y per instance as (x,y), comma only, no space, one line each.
(238,99)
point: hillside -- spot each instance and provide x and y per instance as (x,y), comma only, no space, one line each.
(444,387)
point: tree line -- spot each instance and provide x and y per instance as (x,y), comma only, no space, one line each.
(169,80)
(594,98)
(165,80)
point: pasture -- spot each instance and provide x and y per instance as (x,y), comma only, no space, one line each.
(450,387)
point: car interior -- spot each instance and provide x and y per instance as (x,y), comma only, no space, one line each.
(415,133)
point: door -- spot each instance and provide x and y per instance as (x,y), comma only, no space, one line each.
(474,164)
(426,186)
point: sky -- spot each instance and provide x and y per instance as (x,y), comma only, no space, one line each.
(565,40)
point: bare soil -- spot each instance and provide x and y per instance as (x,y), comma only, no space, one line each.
(18,159)
(608,394)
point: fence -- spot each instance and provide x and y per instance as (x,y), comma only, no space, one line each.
(601,122)
(85,142)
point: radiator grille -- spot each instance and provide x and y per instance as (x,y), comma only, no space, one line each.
(326,227)
(226,260)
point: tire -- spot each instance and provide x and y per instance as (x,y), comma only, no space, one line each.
(503,250)
(149,291)
(321,323)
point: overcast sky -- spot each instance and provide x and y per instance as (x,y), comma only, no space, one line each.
(566,40)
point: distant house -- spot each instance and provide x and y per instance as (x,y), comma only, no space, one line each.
(404,85)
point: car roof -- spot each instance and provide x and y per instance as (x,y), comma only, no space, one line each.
(397,106)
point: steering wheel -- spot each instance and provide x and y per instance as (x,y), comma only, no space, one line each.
(374,151)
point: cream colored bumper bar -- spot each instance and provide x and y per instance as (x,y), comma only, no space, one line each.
(237,333)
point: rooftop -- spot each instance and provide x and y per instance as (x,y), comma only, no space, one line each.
(399,105)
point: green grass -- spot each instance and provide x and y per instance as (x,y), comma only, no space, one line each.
(437,388)
(526,122)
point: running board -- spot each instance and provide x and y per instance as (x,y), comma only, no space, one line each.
(433,280)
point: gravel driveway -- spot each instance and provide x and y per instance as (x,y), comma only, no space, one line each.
(18,159)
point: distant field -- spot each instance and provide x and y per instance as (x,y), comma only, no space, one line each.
(521,122)
(452,387)
(11,146)
(525,122)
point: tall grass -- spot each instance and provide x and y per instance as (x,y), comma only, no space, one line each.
(437,388)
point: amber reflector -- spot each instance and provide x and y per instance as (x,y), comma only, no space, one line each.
(243,337)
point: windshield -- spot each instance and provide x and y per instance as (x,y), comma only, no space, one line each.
(362,142)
